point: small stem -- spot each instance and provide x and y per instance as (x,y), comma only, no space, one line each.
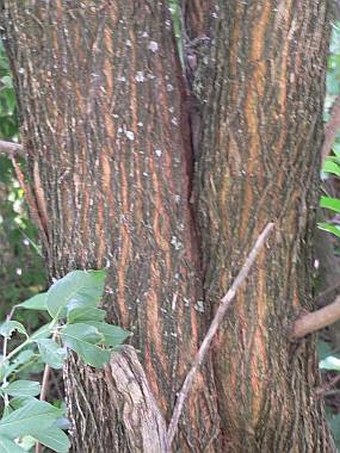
(11,148)
(44,385)
(322,391)
(16,350)
(4,352)
(311,322)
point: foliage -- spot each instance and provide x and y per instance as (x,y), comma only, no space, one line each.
(21,267)
(333,73)
(8,114)
(331,169)
(331,166)
(77,324)
(176,15)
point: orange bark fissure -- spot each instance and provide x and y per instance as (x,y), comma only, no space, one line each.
(106,118)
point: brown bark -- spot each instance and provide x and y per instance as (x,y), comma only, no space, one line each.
(261,87)
(105,124)
(101,97)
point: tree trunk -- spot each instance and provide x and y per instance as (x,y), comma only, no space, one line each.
(108,129)
(261,90)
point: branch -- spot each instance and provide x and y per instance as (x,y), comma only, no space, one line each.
(216,322)
(311,322)
(321,391)
(11,149)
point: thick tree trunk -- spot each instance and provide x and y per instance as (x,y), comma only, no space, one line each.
(260,81)
(107,132)
(101,98)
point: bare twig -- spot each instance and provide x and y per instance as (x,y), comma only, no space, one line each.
(321,391)
(33,205)
(311,322)
(223,307)
(11,149)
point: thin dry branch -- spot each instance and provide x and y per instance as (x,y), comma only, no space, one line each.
(11,149)
(216,322)
(311,322)
(321,391)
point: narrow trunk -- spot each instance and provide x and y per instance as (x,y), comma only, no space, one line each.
(260,83)
(102,103)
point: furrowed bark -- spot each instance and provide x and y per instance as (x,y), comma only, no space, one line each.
(260,83)
(101,100)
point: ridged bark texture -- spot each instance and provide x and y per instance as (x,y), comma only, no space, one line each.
(101,99)
(106,125)
(260,82)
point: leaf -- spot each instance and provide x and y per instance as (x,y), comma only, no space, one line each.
(44,331)
(37,302)
(8,446)
(330,203)
(20,401)
(8,327)
(84,287)
(331,167)
(330,228)
(113,335)
(83,332)
(87,313)
(7,81)
(26,419)
(22,388)
(80,338)
(53,438)
(330,363)
(51,353)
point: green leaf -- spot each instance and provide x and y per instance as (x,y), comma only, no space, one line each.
(8,446)
(23,357)
(330,363)
(25,420)
(53,438)
(22,388)
(113,335)
(37,302)
(83,332)
(80,338)
(330,203)
(330,166)
(51,353)
(8,327)
(7,81)
(27,443)
(330,228)
(87,313)
(44,331)
(77,287)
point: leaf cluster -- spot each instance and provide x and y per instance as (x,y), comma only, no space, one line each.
(77,324)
